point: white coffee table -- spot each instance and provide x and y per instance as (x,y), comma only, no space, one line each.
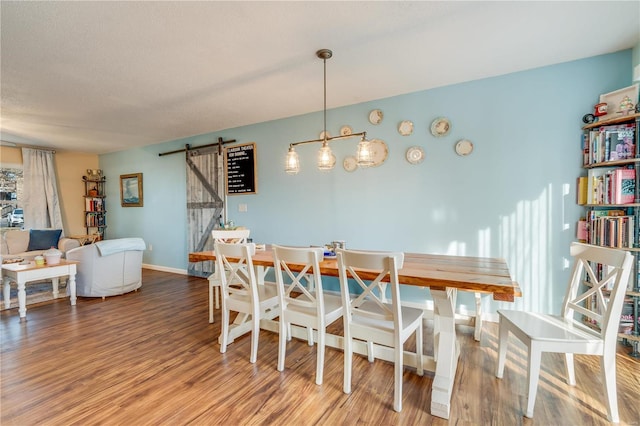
(22,274)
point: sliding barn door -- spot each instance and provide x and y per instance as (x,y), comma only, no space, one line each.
(205,202)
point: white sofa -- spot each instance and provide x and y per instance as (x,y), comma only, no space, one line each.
(109,267)
(15,243)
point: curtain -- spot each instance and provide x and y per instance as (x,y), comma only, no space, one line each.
(40,193)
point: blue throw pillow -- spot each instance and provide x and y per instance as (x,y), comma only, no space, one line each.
(43,239)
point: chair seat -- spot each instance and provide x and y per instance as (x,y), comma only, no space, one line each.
(332,308)
(552,328)
(266,292)
(409,317)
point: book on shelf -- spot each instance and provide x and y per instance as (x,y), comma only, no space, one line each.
(620,141)
(611,228)
(581,191)
(625,326)
(626,317)
(609,143)
(582,230)
(610,185)
(624,186)
(94,204)
(597,185)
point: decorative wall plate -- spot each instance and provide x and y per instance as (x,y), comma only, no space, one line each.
(405,128)
(441,126)
(379,151)
(350,163)
(345,130)
(464,147)
(322,134)
(415,155)
(375,116)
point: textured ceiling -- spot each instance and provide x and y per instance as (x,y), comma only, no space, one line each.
(105,76)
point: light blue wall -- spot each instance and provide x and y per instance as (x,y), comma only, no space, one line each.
(514,197)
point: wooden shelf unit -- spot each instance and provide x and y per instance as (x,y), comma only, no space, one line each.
(95,207)
(634,293)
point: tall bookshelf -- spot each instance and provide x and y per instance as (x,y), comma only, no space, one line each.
(611,197)
(95,207)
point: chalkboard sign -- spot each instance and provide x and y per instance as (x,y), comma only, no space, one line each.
(240,163)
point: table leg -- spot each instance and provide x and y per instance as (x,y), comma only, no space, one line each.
(446,345)
(71,288)
(22,298)
(477,332)
(7,292)
(54,285)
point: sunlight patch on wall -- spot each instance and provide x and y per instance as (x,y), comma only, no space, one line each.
(484,242)
(457,248)
(524,241)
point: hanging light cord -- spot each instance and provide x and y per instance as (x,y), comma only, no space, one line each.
(326,54)
(324,61)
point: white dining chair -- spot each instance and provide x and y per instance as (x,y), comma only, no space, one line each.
(241,292)
(598,303)
(222,236)
(368,319)
(302,299)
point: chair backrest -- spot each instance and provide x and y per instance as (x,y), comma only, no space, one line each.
(368,269)
(235,263)
(305,285)
(230,236)
(600,301)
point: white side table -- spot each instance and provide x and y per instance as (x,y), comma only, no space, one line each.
(22,274)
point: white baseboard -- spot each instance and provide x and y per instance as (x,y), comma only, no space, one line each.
(164,269)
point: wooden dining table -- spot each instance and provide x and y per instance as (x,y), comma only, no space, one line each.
(444,275)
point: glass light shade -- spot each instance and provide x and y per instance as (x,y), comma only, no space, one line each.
(326,159)
(293,162)
(364,156)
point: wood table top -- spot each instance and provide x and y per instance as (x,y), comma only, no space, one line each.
(436,271)
(19,267)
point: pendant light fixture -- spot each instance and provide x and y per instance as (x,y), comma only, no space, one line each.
(326,158)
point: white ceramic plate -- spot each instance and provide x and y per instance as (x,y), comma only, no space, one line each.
(464,147)
(415,155)
(379,151)
(441,126)
(405,128)
(345,130)
(322,135)
(350,163)
(375,116)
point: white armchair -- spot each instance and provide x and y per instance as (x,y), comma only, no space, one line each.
(108,268)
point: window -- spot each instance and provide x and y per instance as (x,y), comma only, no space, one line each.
(10,193)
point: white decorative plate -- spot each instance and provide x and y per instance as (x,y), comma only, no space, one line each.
(322,134)
(415,155)
(464,147)
(379,151)
(345,130)
(441,126)
(405,128)
(375,116)
(350,163)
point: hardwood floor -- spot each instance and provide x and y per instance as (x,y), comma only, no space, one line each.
(151,358)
